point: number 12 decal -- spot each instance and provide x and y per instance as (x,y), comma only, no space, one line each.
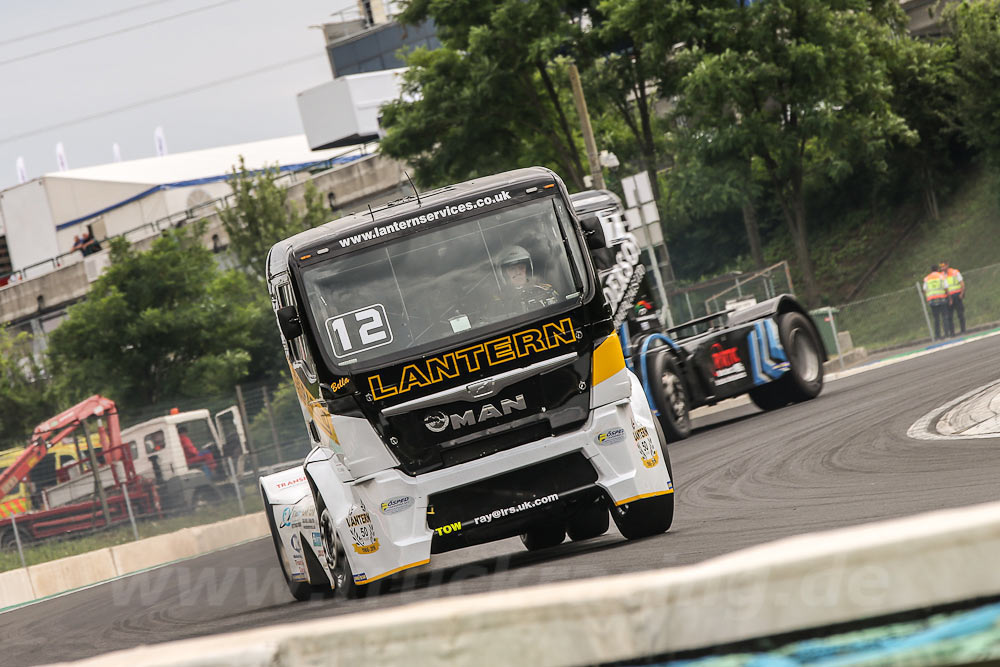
(359,330)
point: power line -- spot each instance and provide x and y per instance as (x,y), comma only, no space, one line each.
(120,31)
(93,19)
(160,98)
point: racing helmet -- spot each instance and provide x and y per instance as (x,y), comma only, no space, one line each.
(512,255)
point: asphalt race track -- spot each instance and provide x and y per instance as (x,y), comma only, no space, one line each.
(743,478)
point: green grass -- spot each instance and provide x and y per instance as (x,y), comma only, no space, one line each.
(966,236)
(886,312)
(884,321)
(44,551)
(889,311)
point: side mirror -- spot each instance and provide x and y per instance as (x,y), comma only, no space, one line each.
(289,322)
(595,241)
(593,232)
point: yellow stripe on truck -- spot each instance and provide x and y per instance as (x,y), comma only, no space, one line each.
(608,359)
(642,496)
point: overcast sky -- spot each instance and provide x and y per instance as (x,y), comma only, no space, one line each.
(211,72)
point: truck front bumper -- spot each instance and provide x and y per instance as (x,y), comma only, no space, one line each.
(393,518)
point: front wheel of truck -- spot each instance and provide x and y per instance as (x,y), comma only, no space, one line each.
(300,590)
(591,521)
(543,536)
(644,517)
(648,516)
(344,586)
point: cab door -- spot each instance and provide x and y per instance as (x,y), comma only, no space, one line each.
(229,426)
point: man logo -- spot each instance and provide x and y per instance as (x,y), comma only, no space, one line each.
(438,422)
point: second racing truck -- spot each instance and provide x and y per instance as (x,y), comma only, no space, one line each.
(769,350)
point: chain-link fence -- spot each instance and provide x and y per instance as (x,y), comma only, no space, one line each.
(715,295)
(178,464)
(902,318)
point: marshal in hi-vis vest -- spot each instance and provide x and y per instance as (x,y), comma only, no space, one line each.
(953,281)
(935,288)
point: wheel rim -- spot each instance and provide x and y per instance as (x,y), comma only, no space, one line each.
(676,398)
(804,356)
(334,551)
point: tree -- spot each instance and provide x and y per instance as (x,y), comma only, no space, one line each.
(922,74)
(976,36)
(629,53)
(798,86)
(262,215)
(705,181)
(162,324)
(485,101)
(26,397)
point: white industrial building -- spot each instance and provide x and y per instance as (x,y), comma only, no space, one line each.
(41,218)
(365,59)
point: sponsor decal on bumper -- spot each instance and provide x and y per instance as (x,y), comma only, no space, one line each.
(647,448)
(397,504)
(359,524)
(611,436)
(507,511)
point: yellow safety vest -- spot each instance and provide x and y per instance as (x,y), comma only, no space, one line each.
(934,286)
(953,281)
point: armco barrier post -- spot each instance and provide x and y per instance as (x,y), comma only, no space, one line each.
(17,538)
(274,431)
(236,483)
(246,430)
(923,304)
(836,338)
(131,516)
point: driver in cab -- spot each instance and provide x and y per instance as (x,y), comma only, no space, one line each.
(521,293)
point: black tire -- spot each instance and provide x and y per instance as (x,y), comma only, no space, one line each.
(344,586)
(770,396)
(644,518)
(804,379)
(8,542)
(670,395)
(543,536)
(663,450)
(300,590)
(591,521)
(649,516)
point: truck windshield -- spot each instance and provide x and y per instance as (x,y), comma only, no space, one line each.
(453,283)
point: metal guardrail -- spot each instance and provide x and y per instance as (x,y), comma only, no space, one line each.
(900,318)
(759,284)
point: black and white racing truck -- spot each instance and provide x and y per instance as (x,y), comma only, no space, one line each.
(460,374)
(769,350)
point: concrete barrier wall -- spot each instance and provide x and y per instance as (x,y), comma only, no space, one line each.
(71,572)
(226,533)
(15,588)
(153,551)
(793,584)
(65,574)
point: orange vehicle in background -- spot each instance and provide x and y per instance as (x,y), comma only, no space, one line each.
(46,473)
(168,463)
(114,470)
